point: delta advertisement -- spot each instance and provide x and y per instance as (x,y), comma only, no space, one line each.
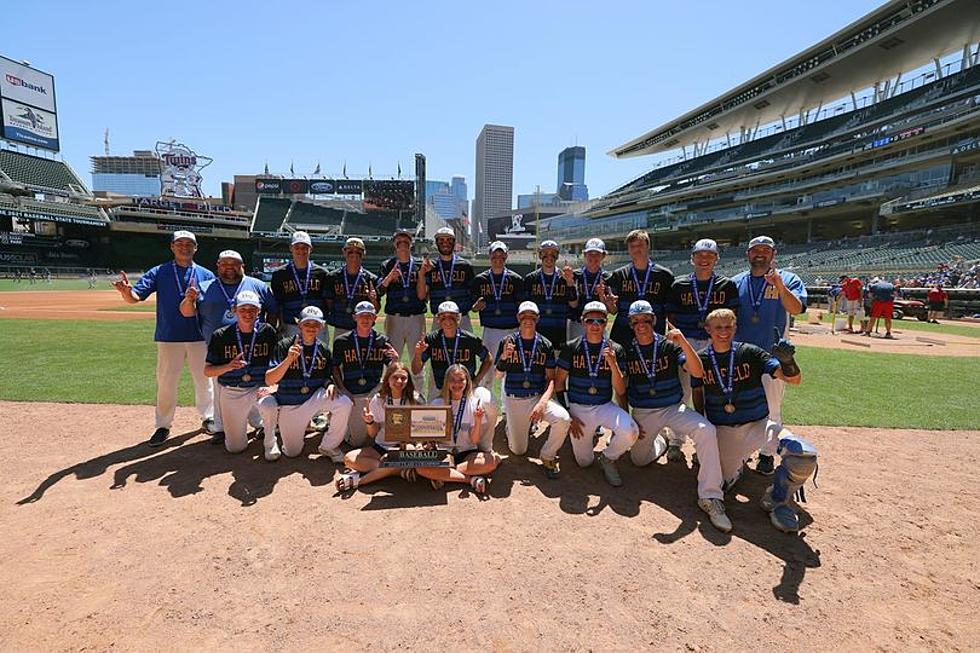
(29,125)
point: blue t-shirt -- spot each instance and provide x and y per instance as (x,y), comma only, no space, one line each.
(539,355)
(169,281)
(665,381)
(573,359)
(216,308)
(755,323)
(748,394)
(882,291)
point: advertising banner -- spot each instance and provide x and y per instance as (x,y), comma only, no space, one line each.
(29,125)
(25,84)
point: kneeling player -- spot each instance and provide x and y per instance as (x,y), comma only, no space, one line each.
(301,367)
(656,396)
(735,402)
(238,355)
(591,368)
(527,360)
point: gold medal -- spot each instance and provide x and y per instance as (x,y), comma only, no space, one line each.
(729,408)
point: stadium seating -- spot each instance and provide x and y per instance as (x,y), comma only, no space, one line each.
(40,174)
(270,213)
(314,217)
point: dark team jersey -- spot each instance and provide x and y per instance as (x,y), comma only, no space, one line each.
(444,352)
(748,395)
(539,354)
(224,346)
(573,359)
(344,291)
(293,293)
(661,377)
(682,304)
(317,362)
(623,283)
(500,314)
(551,293)
(401,299)
(368,368)
(450,281)
(585,282)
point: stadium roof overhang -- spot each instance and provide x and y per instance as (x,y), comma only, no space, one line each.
(898,37)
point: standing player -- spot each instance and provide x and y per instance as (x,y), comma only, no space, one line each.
(348,287)
(301,370)
(299,284)
(238,357)
(359,359)
(734,400)
(527,360)
(404,311)
(590,285)
(591,368)
(451,345)
(554,293)
(938,303)
(447,279)
(497,292)
(178,338)
(640,279)
(767,296)
(689,301)
(852,289)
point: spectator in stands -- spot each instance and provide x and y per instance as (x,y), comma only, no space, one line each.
(851,287)
(883,304)
(938,300)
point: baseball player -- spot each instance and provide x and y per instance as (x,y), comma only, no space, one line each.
(446,279)
(364,464)
(404,311)
(554,293)
(655,394)
(451,345)
(238,357)
(527,360)
(734,400)
(470,464)
(590,285)
(496,293)
(640,279)
(689,301)
(214,302)
(348,287)
(766,297)
(178,338)
(359,359)
(300,366)
(299,283)
(590,368)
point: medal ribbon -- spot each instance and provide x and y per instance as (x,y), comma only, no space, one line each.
(350,289)
(729,386)
(181,289)
(593,371)
(702,306)
(251,345)
(307,372)
(589,288)
(304,288)
(357,349)
(447,283)
(756,300)
(406,277)
(231,299)
(527,362)
(549,292)
(445,350)
(651,370)
(497,292)
(458,421)
(641,290)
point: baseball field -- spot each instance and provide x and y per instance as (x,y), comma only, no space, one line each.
(112,545)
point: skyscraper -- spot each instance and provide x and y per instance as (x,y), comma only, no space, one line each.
(494,177)
(571,174)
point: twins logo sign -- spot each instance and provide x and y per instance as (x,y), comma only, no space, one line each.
(181,170)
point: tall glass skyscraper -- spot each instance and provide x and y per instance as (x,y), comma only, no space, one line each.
(494,177)
(571,174)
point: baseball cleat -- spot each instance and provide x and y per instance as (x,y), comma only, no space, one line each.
(335,455)
(347,481)
(551,467)
(609,470)
(159,437)
(784,518)
(218,437)
(208,426)
(675,455)
(319,423)
(765,465)
(272,453)
(479,484)
(715,508)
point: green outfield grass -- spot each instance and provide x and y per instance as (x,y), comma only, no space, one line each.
(114,362)
(142,307)
(7,285)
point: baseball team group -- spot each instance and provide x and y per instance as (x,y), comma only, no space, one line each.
(697,355)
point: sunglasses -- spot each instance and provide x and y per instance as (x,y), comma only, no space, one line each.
(595,321)
(635,322)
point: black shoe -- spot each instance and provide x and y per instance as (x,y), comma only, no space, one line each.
(159,437)
(208,426)
(258,434)
(218,437)
(764,466)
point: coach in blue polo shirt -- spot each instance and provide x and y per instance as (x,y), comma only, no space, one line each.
(178,338)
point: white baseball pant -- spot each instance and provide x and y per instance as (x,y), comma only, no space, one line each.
(518,411)
(491,340)
(292,420)
(610,416)
(737,443)
(403,331)
(357,435)
(235,406)
(775,390)
(170,363)
(685,422)
(254,419)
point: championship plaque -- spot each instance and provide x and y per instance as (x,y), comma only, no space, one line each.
(417,425)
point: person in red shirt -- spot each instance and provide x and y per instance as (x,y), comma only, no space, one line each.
(938,300)
(852,289)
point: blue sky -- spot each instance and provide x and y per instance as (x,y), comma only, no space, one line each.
(373,83)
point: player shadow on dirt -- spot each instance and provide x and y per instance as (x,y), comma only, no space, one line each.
(182,470)
(101,464)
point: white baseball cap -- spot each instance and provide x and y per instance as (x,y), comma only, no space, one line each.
(365,307)
(595,307)
(595,245)
(705,245)
(549,244)
(183,234)
(301,238)
(498,245)
(448,307)
(446,231)
(232,254)
(248,298)
(762,240)
(528,307)
(355,242)
(641,307)
(310,314)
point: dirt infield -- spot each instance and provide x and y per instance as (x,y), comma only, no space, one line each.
(70,305)
(907,341)
(112,545)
